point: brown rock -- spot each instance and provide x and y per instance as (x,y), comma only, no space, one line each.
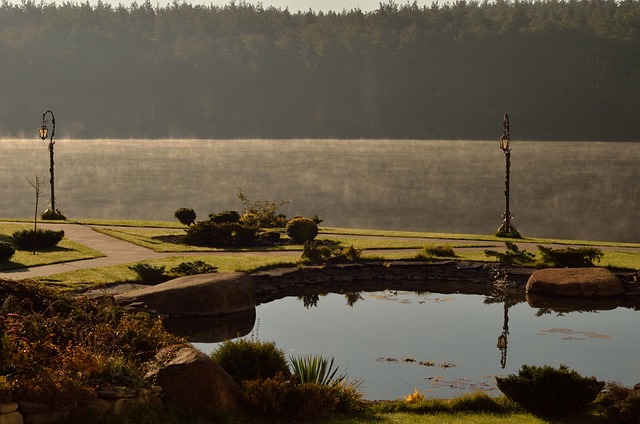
(575,282)
(197,295)
(5,408)
(191,381)
(11,418)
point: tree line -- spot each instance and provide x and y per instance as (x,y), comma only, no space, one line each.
(563,70)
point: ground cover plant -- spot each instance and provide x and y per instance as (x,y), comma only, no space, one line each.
(56,350)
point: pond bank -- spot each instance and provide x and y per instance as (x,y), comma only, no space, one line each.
(442,277)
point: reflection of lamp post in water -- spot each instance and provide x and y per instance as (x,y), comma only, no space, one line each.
(502,339)
(52,212)
(506,229)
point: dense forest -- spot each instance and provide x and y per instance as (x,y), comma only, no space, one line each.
(563,70)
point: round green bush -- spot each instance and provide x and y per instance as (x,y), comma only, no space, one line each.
(225,217)
(246,360)
(6,251)
(44,239)
(302,229)
(549,392)
(185,216)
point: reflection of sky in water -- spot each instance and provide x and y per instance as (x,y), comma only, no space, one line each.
(558,189)
(447,329)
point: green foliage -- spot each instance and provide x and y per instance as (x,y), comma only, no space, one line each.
(550,392)
(56,350)
(315,369)
(570,257)
(315,252)
(185,216)
(245,359)
(513,255)
(301,230)
(6,251)
(619,404)
(263,212)
(440,251)
(210,234)
(225,217)
(193,268)
(44,239)
(148,273)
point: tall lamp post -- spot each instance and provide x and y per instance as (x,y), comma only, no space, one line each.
(506,229)
(52,212)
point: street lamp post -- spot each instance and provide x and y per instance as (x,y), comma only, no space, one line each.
(507,229)
(52,212)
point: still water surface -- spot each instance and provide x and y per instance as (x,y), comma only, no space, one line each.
(585,190)
(458,333)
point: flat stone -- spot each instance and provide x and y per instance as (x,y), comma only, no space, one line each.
(575,282)
(33,408)
(5,408)
(47,417)
(197,295)
(11,418)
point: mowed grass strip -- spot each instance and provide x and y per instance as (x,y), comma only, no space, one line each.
(66,251)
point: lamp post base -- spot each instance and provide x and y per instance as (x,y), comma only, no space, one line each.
(53,215)
(507,229)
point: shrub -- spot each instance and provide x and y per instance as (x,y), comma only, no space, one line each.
(620,404)
(193,268)
(210,234)
(225,217)
(315,369)
(301,229)
(6,251)
(264,211)
(245,359)
(44,239)
(550,392)
(315,252)
(149,273)
(513,255)
(570,257)
(439,251)
(185,216)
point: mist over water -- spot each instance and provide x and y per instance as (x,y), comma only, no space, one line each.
(582,190)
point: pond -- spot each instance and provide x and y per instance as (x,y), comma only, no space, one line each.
(445,344)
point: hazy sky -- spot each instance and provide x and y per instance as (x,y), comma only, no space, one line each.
(292,5)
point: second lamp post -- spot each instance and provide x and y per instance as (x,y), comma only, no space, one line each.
(507,229)
(52,212)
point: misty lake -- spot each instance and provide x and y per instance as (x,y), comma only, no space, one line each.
(575,190)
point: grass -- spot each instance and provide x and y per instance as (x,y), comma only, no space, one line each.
(438,418)
(65,251)
(97,277)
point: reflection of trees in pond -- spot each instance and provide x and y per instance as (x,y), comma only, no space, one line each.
(353,297)
(310,300)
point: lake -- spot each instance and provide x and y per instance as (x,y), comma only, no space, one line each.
(446,344)
(574,190)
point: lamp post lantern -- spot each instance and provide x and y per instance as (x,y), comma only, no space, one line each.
(507,229)
(52,212)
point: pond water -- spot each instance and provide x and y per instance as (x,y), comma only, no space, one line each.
(446,344)
(575,190)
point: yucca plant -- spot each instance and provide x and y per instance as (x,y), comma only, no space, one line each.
(315,369)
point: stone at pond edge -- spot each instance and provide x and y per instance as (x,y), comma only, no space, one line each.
(192,382)
(575,282)
(197,295)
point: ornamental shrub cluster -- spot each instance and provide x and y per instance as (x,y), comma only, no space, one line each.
(301,230)
(271,390)
(6,251)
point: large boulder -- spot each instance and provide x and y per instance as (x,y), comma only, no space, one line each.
(575,282)
(197,295)
(192,382)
